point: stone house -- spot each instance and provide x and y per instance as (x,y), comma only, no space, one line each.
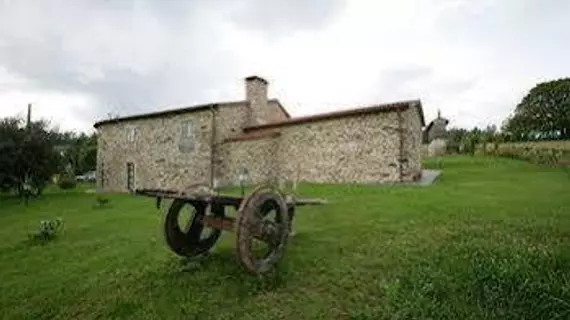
(213,143)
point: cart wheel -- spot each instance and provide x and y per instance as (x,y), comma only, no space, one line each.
(183,230)
(262,230)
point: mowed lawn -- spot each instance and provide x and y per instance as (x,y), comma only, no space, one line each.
(490,240)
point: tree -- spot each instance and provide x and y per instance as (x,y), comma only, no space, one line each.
(544,113)
(10,138)
(27,155)
(471,139)
(455,138)
(79,150)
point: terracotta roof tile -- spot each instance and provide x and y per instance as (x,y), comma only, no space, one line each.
(164,113)
(388,107)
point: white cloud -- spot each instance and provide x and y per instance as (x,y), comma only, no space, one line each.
(474,60)
(49,105)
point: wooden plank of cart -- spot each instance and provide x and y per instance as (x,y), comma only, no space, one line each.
(262,222)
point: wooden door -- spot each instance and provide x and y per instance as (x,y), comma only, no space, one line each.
(130,176)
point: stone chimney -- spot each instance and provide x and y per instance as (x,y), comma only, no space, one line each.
(256,95)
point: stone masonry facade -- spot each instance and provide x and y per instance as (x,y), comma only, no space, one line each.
(214,143)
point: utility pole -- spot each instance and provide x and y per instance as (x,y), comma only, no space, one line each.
(29,122)
(26,187)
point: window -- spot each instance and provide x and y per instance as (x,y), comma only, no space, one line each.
(131,133)
(187,126)
(186,143)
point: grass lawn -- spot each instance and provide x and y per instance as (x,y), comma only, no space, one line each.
(490,240)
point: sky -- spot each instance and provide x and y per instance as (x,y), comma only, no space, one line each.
(81,61)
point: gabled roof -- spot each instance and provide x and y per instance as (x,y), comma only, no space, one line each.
(387,107)
(164,113)
(433,121)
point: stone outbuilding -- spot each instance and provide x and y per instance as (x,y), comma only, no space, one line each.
(213,143)
(435,136)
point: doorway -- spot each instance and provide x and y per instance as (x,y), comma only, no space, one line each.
(130,176)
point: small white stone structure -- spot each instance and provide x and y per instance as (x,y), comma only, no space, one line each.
(437,147)
(435,135)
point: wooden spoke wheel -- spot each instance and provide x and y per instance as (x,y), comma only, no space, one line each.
(183,229)
(262,229)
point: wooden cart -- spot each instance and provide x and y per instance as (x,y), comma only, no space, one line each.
(262,223)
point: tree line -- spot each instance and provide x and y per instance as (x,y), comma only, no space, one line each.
(542,114)
(33,153)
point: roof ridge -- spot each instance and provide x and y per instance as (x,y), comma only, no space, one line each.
(383,107)
(173,111)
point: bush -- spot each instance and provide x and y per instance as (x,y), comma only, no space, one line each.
(101,202)
(538,155)
(47,232)
(67,182)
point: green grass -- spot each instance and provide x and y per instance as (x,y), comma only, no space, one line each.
(490,240)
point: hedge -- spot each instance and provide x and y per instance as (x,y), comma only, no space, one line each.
(554,154)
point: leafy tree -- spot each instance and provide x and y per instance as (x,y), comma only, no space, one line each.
(10,138)
(27,156)
(544,113)
(462,140)
(79,150)
(471,139)
(455,138)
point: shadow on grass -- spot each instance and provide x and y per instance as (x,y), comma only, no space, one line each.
(7,200)
(214,274)
(224,263)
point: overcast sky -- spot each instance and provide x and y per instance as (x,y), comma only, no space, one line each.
(77,61)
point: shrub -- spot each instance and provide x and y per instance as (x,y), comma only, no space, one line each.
(542,154)
(67,182)
(101,202)
(48,231)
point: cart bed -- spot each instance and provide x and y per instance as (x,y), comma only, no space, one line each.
(223,199)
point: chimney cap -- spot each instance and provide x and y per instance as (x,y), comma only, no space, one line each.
(254,77)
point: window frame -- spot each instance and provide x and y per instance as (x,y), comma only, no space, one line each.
(187,141)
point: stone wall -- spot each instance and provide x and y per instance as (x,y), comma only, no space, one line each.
(413,143)
(162,155)
(357,149)
(167,152)
(174,151)
(275,112)
(258,156)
